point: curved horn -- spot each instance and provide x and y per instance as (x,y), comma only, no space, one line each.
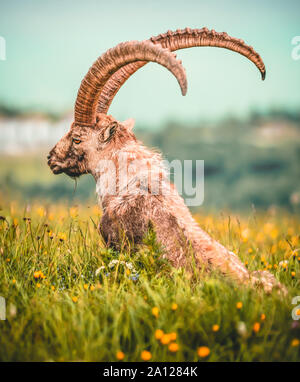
(181,39)
(115,58)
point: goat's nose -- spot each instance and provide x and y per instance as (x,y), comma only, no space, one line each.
(49,156)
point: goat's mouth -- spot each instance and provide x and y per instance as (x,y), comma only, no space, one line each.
(58,168)
(55,168)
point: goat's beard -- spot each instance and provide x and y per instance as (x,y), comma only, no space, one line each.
(72,174)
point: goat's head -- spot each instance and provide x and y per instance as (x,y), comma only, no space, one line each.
(78,151)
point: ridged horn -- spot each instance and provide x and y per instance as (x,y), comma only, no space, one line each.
(112,60)
(180,39)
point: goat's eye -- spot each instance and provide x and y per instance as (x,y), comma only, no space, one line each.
(76,141)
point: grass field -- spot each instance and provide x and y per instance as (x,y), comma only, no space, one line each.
(70,298)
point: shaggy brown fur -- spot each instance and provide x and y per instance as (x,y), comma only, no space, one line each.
(108,150)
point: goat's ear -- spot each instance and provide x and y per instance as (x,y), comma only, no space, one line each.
(129,124)
(110,131)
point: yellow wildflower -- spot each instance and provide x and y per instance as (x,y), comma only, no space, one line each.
(263,317)
(284,264)
(203,351)
(239,305)
(273,248)
(74,299)
(173,347)
(41,211)
(158,334)
(120,355)
(295,240)
(295,342)
(96,210)
(245,234)
(174,306)
(62,236)
(165,339)
(274,233)
(215,328)
(260,237)
(256,327)
(268,227)
(146,355)
(155,311)
(39,275)
(73,212)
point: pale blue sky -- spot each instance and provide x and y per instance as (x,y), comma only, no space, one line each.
(51,45)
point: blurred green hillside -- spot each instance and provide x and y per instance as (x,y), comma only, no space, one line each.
(247,162)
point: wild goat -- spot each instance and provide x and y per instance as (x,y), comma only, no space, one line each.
(106,148)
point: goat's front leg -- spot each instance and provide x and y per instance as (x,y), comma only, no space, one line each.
(229,264)
(209,252)
(267,280)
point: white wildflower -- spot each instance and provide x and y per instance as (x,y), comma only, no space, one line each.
(129,266)
(99,270)
(242,329)
(12,310)
(113,263)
